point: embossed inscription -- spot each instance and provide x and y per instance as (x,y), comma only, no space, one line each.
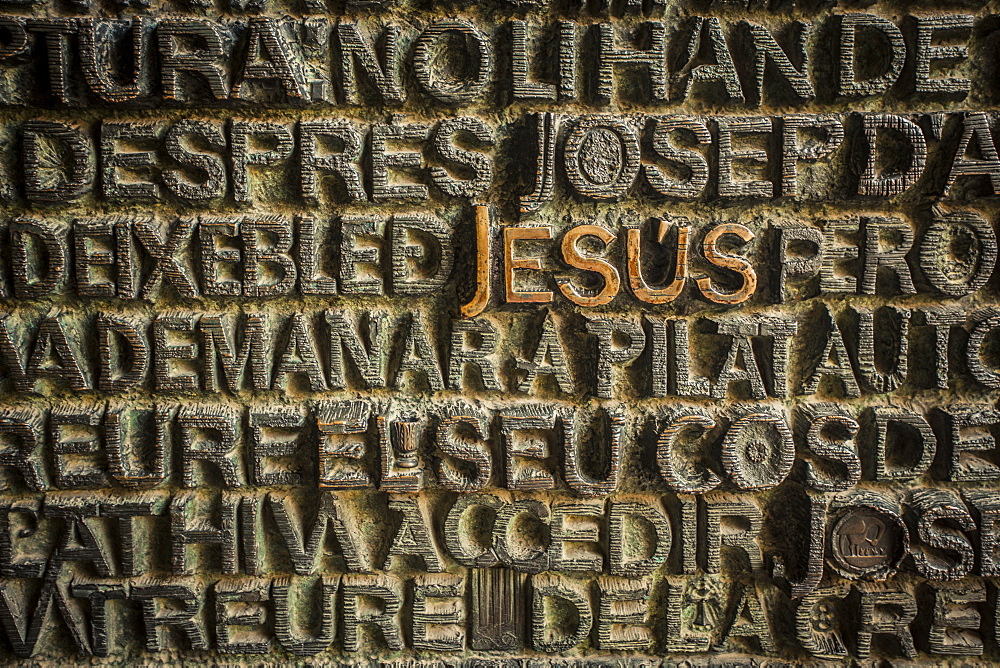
(516,332)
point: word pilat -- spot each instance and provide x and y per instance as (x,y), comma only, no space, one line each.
(737,358)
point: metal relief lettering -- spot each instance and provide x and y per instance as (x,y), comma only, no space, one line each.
(510,332)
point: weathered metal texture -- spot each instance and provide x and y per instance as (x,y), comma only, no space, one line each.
(499,333)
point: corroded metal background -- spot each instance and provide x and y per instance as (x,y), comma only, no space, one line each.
(499,333)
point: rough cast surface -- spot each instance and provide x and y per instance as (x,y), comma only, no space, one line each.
(501,333)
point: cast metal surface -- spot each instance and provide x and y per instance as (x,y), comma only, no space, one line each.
(501,333)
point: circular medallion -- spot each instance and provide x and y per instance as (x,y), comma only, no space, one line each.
(866,543)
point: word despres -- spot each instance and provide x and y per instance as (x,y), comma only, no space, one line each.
(499,333)
(594,157)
